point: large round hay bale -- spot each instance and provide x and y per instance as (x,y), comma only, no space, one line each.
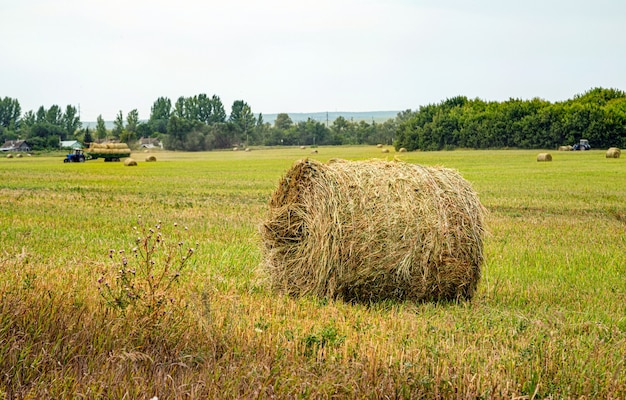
(565,148)
(9,155)
(379,145)
(613,152)
(18,155)
(150,159)
(384,151)
(129,162)
(402,150)
(544,157)
(373,230)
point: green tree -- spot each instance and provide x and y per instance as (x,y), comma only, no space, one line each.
(261,130)
(204,108)
(132,120)
(28,119)
(219,113)
(101,130)
(179,108)
(87,138)
(41,115)
(177,130)
(10,112)
(242,118)
(54,115)
(160,114)
(283,122)
(71,121)
(129,134)
(118,125)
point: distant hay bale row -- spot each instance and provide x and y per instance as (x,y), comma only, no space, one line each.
(108,146)
(373,230)
(544,157)
(613,152)
(96,150)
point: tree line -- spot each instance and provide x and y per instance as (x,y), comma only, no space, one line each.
(200,122)
(193,123)
(598,115)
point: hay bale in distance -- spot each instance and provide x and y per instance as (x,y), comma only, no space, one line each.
(18,155)
(565,148)
(379,145)
(9,155)
(544,157)
(313,151)
(402,150)
(373,230)
(150,159)
(613,152)
(129,162)
(384,151)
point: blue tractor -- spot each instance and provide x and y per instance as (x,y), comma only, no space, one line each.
(77,156)
(583,145)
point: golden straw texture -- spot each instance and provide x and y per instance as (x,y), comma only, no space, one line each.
(372,230)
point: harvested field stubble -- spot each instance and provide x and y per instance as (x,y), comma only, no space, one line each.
(372,230)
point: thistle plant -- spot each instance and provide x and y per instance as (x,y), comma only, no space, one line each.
(143,280)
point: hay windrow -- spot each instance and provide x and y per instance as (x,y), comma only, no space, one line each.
(372,230)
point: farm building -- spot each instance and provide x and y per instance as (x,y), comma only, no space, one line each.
(71,144)
(15,145)
(149,143)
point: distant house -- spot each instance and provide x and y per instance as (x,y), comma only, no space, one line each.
(71,144)
(15,145)
(149,143)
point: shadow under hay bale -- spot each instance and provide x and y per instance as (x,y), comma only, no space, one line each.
(373,230)
(613,152)
(544,157)
(129,162)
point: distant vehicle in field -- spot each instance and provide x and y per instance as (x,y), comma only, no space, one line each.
(108,151)
(583,145)
(76,156)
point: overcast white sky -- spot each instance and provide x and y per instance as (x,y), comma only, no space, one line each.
(307,55)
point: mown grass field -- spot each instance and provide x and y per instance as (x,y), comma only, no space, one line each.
(548,320)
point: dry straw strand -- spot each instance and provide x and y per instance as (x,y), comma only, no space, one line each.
(373,230)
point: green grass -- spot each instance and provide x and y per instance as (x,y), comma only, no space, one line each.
(548,320)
